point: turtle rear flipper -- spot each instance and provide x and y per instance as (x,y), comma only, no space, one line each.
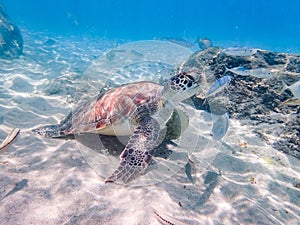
(137,154)
(53,131)
(57,130)
(48,131)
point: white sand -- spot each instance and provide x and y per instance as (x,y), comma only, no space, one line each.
(239,181)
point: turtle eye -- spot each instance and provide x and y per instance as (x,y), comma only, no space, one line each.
(190,78)
(189,81)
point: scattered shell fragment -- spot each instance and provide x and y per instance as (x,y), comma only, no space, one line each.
(13,134)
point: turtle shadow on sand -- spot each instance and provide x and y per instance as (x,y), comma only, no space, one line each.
(102,152)
(114,145)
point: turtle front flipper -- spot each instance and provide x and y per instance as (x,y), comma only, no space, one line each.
(137,154)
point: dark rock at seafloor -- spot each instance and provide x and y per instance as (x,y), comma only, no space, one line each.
(11,41)
(49,42)
(254,99)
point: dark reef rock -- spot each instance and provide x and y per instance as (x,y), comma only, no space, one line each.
(294,64)
(11,42)
(254,99)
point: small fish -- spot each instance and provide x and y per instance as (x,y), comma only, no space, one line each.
(178,41)
(257,72)
(13,134)
(218,85)
(203,43)
(220,127)
(239,51)
(188,170)
(136,53)
(112,54)
(294,88)
(291,102)
(72,18)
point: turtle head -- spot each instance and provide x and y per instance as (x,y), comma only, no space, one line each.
(181,86)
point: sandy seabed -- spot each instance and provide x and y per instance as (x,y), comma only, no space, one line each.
(240,180)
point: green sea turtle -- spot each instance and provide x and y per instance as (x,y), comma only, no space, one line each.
(140,109)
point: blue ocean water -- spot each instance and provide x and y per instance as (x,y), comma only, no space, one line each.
(272,25)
